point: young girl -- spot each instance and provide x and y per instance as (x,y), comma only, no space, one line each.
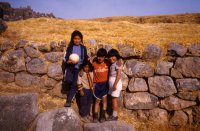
(115,83)
(85,87)
(71,74)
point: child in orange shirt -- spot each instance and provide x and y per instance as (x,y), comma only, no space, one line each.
(101,67)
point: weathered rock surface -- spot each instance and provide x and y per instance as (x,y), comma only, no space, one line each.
(188,84)
(159,116)
(173,103)
(137,84)
(62,119)
(152,52)
(54,56)
(135,68)
(194,50)
(188,67)
(163,68)
(24,79)
(179,118)
(17,111)
(108,126)
(161,86)
(55,71)
(6,77)
(37,66)
(176,49)
(13,61)
(32,52)
(140,100)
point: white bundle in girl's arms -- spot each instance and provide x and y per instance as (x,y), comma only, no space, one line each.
(74,58)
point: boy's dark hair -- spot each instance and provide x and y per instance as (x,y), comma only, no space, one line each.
(75,33)
(102,52)
(114,52)
(86,62)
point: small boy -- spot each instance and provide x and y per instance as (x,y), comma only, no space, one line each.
(101,67)
(85,87)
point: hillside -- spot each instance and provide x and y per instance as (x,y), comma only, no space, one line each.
(193,18)
(120,30)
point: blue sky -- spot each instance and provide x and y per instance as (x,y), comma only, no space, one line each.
(75,9)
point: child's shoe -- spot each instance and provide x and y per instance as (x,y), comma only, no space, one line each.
(103,117)
(85,119)
(67,104)
(95,120)
(112,118)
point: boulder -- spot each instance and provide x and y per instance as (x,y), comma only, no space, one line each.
(152,52)
(3,26)
(62,119)
(49,83)
(55,71)
(137,84)
(6,45)
(13,61)
(134,68)
(196,114)
(24,79)
(188,84)
(163,68)
(57,47)
(127,51)
(158,116)
(54,56)
(44,48)
(140,100)
(32,52)
(188,67)
(21,44)
(188,111)
(108,126)
(179,118)
(17,111)
(175,49)
(161,86)
(37,66)
(6,77)
(188,95)
(173,103)
(194,50)
(176,74)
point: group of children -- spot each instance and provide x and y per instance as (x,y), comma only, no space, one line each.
(92,80)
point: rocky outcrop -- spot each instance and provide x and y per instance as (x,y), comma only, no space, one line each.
(108,126)
(63,119)
(22,13)
(17,111)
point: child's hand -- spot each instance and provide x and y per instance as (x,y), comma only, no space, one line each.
(69,62)
(92,90)
(114,88)
(82,92)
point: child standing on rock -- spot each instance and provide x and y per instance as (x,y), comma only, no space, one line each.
(101,67)
(72,69)
(115,83)
(85,87)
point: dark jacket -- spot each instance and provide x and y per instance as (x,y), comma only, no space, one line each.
(70,50)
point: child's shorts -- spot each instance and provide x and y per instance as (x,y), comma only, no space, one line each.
(100,90)
(117,92)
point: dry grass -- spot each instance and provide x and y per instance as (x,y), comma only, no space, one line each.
(45,30)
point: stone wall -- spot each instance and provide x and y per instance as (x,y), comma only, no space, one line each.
(159,85)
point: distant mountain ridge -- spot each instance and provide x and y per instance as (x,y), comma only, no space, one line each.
(8,13)
(193,18)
